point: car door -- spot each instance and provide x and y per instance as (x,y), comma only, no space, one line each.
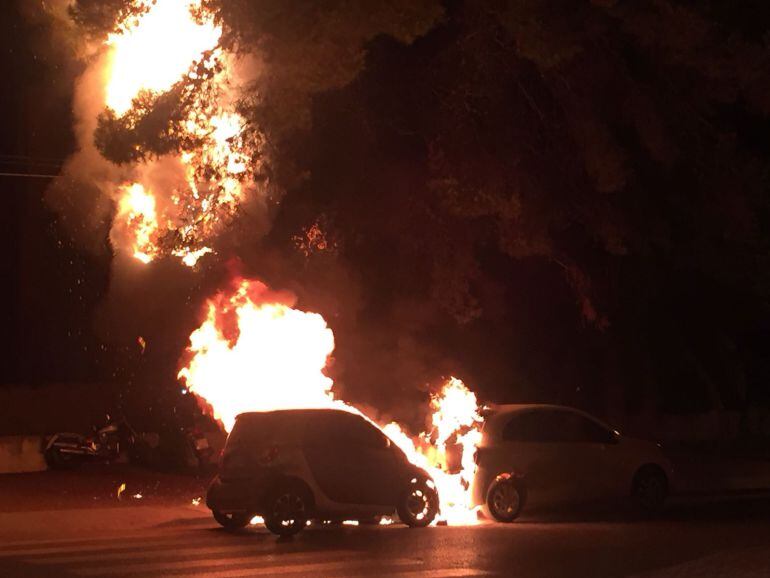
(587,448)
(531,444)
(350,459)
(328,456)
(375,473)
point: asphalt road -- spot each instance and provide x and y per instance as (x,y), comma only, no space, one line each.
(706,539)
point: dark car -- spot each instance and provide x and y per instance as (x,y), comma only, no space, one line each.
(293,466)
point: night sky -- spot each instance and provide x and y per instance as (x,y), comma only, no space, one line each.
(50,285)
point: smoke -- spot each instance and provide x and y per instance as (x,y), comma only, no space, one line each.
(274,58)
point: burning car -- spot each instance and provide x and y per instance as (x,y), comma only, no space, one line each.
(558,454)
(293,466)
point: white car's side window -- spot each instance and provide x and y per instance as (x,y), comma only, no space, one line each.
(554,426)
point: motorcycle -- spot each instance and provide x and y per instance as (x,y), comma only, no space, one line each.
(179,448)
(65,449)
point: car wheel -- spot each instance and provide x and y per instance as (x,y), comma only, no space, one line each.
(287,510)
(233,520)
(419,504)
(650,489)
(505,499)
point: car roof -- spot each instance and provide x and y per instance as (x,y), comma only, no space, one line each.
(290,412)
(512,407)
(284,424)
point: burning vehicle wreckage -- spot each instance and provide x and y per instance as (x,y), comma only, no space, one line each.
(163,137)
(296,453)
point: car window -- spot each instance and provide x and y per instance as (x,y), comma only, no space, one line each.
(554,426)
(588,431)
(533,426)
(340,429)
(366,435)
(251,429)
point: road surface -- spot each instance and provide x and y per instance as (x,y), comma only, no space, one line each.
(710,539)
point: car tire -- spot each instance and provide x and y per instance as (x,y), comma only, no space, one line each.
(650,489)
(419,504)
(232,521)
(288,509)
(505,499)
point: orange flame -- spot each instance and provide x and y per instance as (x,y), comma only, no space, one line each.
(255,352)
(172,43)
(136,213)
(455,417)
(154,51)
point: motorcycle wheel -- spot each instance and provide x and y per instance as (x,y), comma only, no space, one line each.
(57,460)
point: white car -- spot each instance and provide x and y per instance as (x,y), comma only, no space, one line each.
(555,454)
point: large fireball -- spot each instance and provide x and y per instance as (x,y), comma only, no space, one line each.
(255,352)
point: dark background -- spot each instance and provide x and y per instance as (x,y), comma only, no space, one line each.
(558,202)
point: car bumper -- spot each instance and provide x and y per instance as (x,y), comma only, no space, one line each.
(481,482)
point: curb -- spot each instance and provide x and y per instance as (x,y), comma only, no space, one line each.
(21,454)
